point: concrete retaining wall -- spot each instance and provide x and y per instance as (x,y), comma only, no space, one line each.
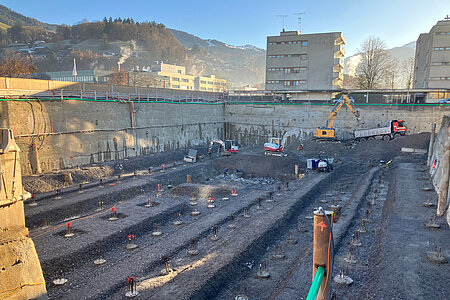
(439,168)
(250,123)
(69,133)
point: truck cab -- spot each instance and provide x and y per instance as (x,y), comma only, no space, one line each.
(398,126)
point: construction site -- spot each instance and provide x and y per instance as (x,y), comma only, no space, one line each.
(114,193)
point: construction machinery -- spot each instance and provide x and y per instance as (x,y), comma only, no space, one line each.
(328,132)
(275,146)
(396,128)
(225,148)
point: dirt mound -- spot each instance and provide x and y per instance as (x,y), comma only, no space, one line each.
(200,191)
(48,182)
(260,165)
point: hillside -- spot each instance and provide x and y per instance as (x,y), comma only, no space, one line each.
(10,17)
(242,65)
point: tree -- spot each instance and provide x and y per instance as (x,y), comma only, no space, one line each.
(16,65)
(391,74)
(118,77)
(408,72)
(374,63)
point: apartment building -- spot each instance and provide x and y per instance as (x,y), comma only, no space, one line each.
(432,60)
(175,77)
(210,84)
(313,62)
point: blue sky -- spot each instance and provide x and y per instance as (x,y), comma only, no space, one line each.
(249,22)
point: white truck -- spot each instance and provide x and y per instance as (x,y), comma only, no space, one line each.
(396,128)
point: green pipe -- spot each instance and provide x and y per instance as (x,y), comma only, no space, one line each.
(316,284)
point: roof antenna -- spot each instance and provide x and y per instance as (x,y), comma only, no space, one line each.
(299,20)
(447,18)
(283,17)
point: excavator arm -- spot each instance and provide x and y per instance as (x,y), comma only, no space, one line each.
(347,101)
(290,133)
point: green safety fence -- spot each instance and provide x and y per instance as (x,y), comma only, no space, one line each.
(110,100)
(227,102)
(314,289)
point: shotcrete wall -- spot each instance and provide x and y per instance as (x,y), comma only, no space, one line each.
(439,168)
(69,133)
(252,123)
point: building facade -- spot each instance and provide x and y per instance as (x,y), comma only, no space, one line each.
(175,77)
(297,61)
(86,76)
(432,60)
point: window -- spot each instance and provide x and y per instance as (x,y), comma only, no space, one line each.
(203,82)
(179,71)
(203,89)
(176,86)
(175,79)
(210,89)
(185,80)
(287,70)
(441,48)
(303,56)
(304,43)
(210,82)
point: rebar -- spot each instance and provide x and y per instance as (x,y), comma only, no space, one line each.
(156,230)
(291,240)
(195,211)
(247,212)
(193,249)
(211,202)
(232,225)
(131,286)
(178,220)
(166,266)
(302,228)
(278,253)
(259,206)
(350,258)
(58,194)
(342,278)
(355,239)
(131,245)
(262,271)
(100,260)
(215,230)
(437,256)
(242,294)
(362,227)
(60,280)
(432,223)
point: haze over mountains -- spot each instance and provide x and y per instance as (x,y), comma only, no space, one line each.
(241,65)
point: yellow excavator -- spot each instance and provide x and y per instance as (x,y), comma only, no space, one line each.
(328,131)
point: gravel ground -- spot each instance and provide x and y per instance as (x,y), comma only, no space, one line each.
(396,239)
